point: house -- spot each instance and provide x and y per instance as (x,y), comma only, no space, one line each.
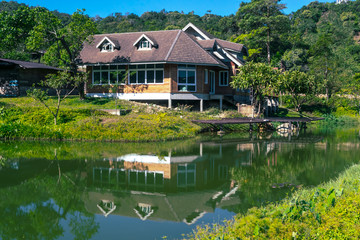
(172,65)
(341,1)
(18,76)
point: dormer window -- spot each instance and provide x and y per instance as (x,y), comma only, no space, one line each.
(144,45)
(107,47)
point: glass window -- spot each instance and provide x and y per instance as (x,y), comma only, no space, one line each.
(190,178)
(141,177)
(122,176)
(150,76)
(186,79)
(141,77)
(159,76)
(191,88)
(186,175)
(132,77)
(159,178)
(121,77)
(182,76)
(206,76)
(133,177)
(107,47)
(223,78)
(113,77)
(96,77)
(144,44)
(151,178)
(104,77)
(181,179)
(191,77)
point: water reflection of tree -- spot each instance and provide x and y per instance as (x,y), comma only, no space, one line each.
(289,166)
(35,208)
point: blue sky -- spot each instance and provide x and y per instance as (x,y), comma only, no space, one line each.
(105,8)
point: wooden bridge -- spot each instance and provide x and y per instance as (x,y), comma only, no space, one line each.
(251,121)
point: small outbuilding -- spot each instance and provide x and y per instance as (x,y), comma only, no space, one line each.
(18,76)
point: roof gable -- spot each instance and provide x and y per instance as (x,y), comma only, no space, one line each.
(197,32)
(111,41)
(143,36)
(187,50)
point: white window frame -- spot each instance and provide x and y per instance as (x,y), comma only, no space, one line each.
(109,71)
(146,172)
(206,76)
(146,69)
(212,81)
(226,80)
(186,171)
(187,69)
(105,45)
(146,42)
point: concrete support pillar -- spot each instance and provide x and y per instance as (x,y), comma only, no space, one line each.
(221,103)
(169,103)
(201,105)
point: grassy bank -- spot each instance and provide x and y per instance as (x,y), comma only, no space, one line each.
(24,118)
(329,211)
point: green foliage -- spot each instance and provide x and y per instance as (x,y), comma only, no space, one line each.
(330,211)
(264,24)
(299,85)
(261,78)
(64,83)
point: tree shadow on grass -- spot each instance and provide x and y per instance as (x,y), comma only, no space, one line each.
(321,108)
(98,101)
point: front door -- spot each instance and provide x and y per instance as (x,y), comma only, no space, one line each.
(212,82)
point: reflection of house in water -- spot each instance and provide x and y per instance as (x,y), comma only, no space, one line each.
(177,187)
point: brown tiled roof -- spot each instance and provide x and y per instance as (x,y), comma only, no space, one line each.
(173,46)
(230,45)
(207,44)
(28,65)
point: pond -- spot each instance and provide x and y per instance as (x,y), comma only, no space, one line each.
(83,190)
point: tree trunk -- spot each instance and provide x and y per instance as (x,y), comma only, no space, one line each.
(268,37)
(81,89)
(268,46)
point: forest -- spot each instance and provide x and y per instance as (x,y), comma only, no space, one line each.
(322,39)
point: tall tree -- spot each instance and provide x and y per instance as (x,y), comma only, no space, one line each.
(263,23)
(63,43)
(14,30)
(322,61)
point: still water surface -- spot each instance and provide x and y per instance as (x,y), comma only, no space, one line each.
(52,190)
